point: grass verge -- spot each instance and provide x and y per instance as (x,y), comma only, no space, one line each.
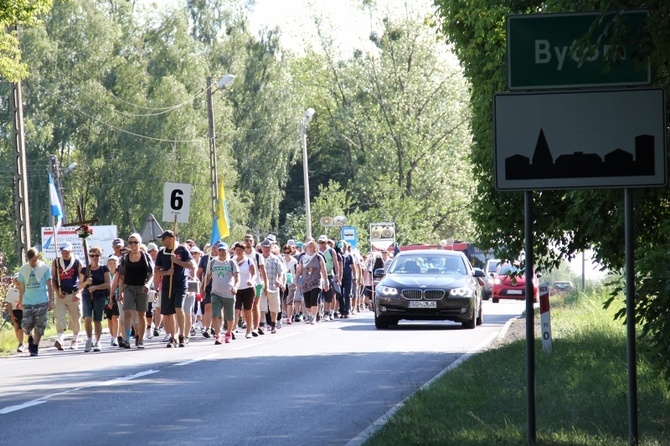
(581,391)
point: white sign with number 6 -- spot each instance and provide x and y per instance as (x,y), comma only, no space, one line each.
(176,202)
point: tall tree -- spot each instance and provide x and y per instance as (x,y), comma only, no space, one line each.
(566,221)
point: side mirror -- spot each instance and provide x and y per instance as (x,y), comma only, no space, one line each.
(478,272)
(378,273)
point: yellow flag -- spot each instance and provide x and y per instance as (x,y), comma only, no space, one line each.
(222,213)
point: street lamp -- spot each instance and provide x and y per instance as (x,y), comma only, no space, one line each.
(303,131)
(223,82)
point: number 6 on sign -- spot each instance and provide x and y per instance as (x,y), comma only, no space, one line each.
(176,202)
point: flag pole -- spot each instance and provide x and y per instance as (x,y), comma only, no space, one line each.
(174,248)
(55,229)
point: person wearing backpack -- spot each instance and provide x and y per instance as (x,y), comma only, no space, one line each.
(133,278)
(333,273)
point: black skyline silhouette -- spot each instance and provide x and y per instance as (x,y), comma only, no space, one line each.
(617,163)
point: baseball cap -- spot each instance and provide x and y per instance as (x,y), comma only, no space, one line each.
(222,245)
(299,245)
(67,246)
(323,238)
(152,247)
(117,242)
(272,238)
(166,234)
(267,243)
(291,242)
(195,249)
(113,257)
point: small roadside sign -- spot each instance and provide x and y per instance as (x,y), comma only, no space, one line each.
(542,51)
(176,202)
(350,235)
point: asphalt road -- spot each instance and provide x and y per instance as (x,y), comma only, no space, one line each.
(305,385)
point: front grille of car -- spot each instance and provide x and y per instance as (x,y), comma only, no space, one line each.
(411,294)
(433,294)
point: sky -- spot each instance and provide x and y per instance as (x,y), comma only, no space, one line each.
(344,20)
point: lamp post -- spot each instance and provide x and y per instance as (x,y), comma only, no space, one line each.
(303,131)
(223,82)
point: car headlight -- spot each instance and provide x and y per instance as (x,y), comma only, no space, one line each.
(387,290)
(462,292)
(497,281)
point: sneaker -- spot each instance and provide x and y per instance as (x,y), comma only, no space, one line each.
(279,323)
(187,339)
(240,323)
(156,332)
(35,350)
(114,343)
(167,338)
(254,333)
(150,334)
(211,331)
(248,335)
(181,341)
(20,349)
(313,320)
(140,344)
(170,341)
(124,344)
(88,346)
(57,344)
(228,337)
(289,322)
(232,334)
(217,340)
(74,345)
(261,331)
(192,332)
(120,341)
(96,347)
(274,330)
(205,333)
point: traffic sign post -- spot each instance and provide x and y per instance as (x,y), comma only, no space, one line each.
(543,51)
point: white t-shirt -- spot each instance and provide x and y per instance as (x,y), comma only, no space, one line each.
(12,297)
(222,276)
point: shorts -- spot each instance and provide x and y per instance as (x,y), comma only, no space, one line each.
(111,312)
(169,304)
(298,297)
(311,297)
(93,307)
(17,318)
(288,296)
(328,295)
(245,299)
(134,298)
(367,291)
(206,300)
(227,304)
(189,302)
(270,302)
(34,317)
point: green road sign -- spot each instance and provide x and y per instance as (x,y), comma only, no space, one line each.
(541,51)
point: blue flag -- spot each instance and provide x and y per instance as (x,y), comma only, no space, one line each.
(56,211)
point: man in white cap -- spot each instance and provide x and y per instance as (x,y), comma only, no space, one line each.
(270,301)
(65,271)
(333,272)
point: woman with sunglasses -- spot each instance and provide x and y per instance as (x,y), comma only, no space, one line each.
(94,280)
(135,274)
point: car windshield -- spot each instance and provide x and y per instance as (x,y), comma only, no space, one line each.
(492,266)
(428,264)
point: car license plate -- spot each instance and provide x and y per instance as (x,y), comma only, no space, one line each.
(515,292)
(422,304)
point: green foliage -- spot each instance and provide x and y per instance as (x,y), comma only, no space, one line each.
(14,14)
(565,221)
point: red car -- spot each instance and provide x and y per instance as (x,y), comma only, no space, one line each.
(510,283)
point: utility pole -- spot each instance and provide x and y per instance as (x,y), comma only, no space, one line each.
(211,136)
(21,208)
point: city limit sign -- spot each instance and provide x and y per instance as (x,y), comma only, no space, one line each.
(580,139)
(541,52)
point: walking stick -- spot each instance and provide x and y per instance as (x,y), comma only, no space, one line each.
(174,248)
